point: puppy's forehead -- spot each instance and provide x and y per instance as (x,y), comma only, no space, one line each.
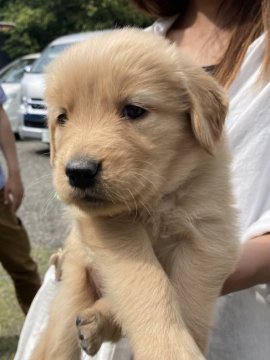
(128,50)
(120,61)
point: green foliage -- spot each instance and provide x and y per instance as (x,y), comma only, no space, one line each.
(38,22)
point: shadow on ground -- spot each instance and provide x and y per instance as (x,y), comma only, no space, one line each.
(8,346)
(44,152)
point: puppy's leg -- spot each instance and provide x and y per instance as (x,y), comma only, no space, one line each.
(59,340)
(197,274)
(139,291)
(96,325)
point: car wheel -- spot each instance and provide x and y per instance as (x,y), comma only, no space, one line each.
(17,136)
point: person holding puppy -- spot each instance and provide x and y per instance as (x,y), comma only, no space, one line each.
(230,40)
(14,244)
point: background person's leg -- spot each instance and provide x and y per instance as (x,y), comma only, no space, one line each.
(15,257)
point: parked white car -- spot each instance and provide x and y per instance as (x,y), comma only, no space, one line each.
(33,108)
(10,79)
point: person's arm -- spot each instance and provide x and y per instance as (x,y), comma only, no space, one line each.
(253,267)
(13,190)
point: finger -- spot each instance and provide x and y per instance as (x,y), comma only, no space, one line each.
(6,195)
(13,205)
(16,203)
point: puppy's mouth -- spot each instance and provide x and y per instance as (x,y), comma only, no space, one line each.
(88,197)
(88,187)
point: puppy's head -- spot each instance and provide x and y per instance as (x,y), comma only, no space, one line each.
(129,119)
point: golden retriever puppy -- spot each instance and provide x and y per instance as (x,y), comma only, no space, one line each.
(141,161)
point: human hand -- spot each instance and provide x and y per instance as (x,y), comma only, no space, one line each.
(240,279)
(253,267)
(13,192)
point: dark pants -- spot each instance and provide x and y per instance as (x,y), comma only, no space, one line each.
(15,256)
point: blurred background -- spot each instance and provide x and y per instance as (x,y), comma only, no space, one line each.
(32,34)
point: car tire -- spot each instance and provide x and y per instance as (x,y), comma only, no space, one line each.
(17,136)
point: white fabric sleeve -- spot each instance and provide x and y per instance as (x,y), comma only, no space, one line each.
(37,316)
(258,228)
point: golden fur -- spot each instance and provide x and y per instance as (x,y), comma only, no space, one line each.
(158,230)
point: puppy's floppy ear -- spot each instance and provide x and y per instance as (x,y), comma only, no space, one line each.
(208,108)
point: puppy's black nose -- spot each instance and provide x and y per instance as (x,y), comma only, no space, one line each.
(82,173)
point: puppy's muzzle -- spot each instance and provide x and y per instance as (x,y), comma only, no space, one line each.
(83,173)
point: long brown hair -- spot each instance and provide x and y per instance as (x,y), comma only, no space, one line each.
(248,20)
(161,8)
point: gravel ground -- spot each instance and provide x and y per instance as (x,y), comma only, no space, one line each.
(41,213)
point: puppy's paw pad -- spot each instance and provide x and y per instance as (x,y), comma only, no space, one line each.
(90,326)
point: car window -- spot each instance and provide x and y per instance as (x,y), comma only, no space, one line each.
(14,73)
(47,56)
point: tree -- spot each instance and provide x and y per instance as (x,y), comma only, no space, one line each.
(38,22)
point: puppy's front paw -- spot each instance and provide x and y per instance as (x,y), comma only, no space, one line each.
(91,325)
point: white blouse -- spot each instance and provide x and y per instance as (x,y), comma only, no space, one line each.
(242,327)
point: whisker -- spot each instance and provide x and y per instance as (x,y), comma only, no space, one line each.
(44,210)
(145,207)
(151,172)
(122,198)
(135,203)
(137,175)
(148,209)
(36,181)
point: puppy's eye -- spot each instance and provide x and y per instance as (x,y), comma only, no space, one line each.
(133,112)
(61,119)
